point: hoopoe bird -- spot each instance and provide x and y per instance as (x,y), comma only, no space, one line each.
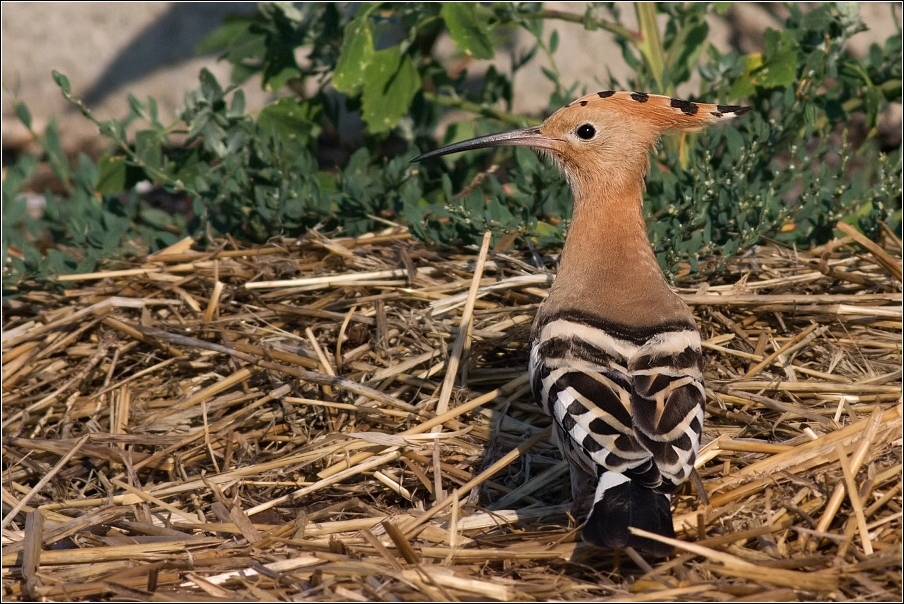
(615,354)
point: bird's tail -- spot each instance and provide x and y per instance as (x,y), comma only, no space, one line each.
(621,503)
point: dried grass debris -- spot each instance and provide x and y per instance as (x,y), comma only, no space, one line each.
(349,419)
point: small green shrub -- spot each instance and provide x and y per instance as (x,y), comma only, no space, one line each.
(788,171)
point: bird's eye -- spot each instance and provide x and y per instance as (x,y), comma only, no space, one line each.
(586,131)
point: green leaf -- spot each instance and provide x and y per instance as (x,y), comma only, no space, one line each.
(210,88)
(15,210)
(685,52)
(85,173)
(279,73)
(111,175)
(59,163)
(775,68)
(391,83)
(241,73)
(115,175)
(223,36)
(743,85)
(213,136)
(288,120)
(780,67)
(137,107)
(355,57)
(23,114)
(237,106)
(721,8)
(155,217)
(148,148)
(62,81)
(153,113)
(469,32)
(16,175)
(244,47)
(199,123)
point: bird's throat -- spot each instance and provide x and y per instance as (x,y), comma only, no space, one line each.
(608,267)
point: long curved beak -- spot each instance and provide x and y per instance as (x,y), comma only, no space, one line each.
(526,137)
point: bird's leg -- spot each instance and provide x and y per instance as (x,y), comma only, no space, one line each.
(582,489)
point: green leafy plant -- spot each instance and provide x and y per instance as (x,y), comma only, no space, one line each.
(78,230)
(804,159)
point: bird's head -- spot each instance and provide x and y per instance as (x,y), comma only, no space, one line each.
(602,140)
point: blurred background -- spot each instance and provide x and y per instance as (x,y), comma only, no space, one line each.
(109,50)
(312,118)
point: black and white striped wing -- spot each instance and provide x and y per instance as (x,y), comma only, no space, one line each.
(630,403)
(667,402)
(628,409)
(579,375)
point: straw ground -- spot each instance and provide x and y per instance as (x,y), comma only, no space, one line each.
(349,419)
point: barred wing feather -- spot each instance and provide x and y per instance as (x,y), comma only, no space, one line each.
(628,409)
(667,402)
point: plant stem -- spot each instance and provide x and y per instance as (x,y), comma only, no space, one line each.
(650,44)
(609,26)
(457,103)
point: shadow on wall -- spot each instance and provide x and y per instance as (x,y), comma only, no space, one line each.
(168,41)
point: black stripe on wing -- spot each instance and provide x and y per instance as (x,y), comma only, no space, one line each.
(667,408)
(600,395)
(644,472)
(628,333)
(574,347)
(595,421)
(689,357)
(667,388)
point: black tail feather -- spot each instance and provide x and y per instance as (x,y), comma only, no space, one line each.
(629,504)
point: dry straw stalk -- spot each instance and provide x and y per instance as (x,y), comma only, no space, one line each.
(349,419)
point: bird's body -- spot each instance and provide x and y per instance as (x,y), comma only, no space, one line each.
(615,355)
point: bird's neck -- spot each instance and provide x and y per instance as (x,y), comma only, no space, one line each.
(608,267)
